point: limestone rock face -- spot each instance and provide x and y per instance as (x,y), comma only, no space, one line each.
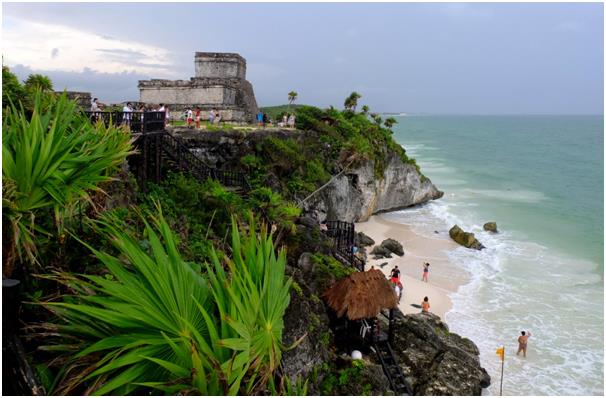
(463,238)
(357,195)
(490,226)
(438,362)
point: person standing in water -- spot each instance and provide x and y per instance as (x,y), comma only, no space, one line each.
(425,277)
(523,342)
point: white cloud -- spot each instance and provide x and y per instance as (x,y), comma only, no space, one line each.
(61,48)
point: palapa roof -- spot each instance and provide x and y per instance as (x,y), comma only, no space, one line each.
(361,295)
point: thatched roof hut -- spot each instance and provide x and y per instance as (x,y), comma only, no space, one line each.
(361,295)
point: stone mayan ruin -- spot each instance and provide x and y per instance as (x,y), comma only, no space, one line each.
(220,83)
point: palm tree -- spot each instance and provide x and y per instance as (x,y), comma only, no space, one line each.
(365,109)
(351,102)
(376,118)
(390,122)
(292,97)
(38,82)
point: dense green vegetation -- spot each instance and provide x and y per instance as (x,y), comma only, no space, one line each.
(51,160)
(23,94)
(173,287)
(298,165)
(156,321)
(276,112)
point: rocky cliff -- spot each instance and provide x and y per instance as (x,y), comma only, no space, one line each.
(357,194)
(353,194)
(436,361)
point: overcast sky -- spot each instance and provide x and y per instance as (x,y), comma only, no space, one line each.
(416,58)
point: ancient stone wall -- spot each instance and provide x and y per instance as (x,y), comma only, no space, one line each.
(219,84)
(220,65)
(82,98)
(175,95)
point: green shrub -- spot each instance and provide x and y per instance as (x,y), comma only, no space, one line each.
(158,323)
(51,161)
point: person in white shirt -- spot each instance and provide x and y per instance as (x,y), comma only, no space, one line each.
(190,117)
(167,119)
(127,109)
(94,106)
(211,116)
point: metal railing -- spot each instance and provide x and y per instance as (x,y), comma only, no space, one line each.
(342,234)
(138,122)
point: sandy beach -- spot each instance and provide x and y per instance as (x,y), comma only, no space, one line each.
(444,277)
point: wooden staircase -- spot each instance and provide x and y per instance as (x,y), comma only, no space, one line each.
(392,370)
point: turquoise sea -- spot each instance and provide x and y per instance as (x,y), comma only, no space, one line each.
(541,179)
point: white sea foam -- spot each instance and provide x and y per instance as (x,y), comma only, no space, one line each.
(518,285)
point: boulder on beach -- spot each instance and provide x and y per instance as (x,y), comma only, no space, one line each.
(463,238)
(381,252)
(393,246)
(364,240)
(490,226)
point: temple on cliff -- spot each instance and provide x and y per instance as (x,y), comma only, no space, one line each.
(219,83)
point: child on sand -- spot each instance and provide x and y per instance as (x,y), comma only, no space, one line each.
(425,277)
(425,305)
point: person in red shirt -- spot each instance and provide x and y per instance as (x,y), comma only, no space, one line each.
(198,117)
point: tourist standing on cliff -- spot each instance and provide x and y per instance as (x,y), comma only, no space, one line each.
(259,118)
(198,117)
(425,277)
(127,110)
(523,342)
(425,304)
(190,117)
(264,118)
(211,116)
(94,106)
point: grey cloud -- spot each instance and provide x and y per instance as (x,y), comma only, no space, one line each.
(54,53)
(108,87)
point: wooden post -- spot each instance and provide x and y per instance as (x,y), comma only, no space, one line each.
(502,369)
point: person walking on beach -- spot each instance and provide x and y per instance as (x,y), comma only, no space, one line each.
(395,275)
(523,342)
(398,290)
(425,305)
(425,277)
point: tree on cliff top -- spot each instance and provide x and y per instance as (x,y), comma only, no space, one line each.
(292,97)
(38,82)
(390,122)
(351,102)
(12,90)
(365,109)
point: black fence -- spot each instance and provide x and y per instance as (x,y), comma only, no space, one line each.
(138,122)
(342,234)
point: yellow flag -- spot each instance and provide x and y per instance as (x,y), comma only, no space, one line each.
(501,353)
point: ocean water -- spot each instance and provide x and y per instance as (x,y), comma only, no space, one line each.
(541,179)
